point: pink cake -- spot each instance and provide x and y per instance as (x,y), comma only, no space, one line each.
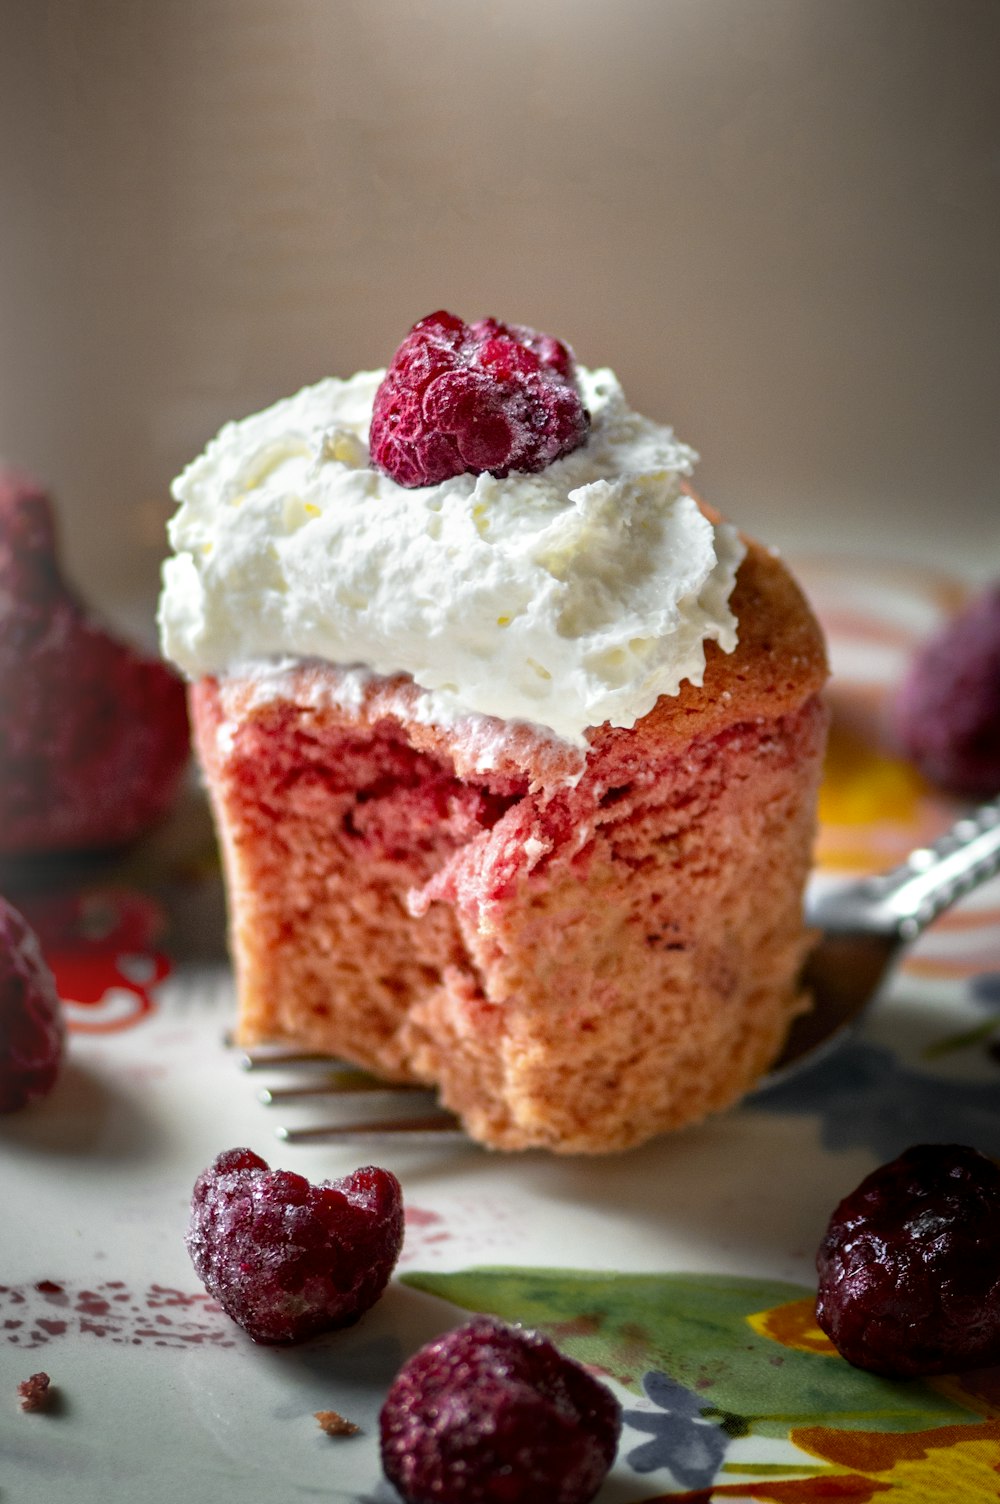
(581,943)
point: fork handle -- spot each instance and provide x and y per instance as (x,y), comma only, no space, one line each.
(902,902)
(934,877)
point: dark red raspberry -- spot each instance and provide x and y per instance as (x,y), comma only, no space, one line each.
(909,1270)
(490,1415)
(287,1259)
(461,399)
(93,736)
(32,1033)
(947,711)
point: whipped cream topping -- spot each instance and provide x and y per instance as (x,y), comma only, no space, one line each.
(567,598)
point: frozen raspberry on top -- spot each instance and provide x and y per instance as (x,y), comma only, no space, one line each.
(947,711)
(31,1022)
(93,735)
(287,1259)
(491,1415)
(462,399)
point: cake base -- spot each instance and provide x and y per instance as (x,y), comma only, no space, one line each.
(579,952)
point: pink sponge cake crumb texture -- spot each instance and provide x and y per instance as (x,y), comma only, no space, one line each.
(579,950)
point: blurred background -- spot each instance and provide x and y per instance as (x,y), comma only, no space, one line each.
(779,220)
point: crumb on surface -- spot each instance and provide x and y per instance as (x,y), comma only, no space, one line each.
(35,1392)
(334,1424)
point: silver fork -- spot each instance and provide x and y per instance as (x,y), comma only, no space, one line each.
(864,925)
(317,1077)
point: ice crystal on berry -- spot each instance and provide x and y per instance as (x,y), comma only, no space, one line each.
(462,399)
(491,1415)
(909,1269)
(93,735)
(32,1032)
(288,1259)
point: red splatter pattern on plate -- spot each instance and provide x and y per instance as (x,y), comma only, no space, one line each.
(33,1315)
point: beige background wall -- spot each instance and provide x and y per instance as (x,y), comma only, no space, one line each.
(778,219)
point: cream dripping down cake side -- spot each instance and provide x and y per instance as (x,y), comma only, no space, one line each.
(513,744)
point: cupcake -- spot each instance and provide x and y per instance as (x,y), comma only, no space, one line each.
(512,743)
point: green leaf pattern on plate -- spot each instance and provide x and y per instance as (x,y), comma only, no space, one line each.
(695,1327)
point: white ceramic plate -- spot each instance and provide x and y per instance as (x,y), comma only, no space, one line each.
(690,1259)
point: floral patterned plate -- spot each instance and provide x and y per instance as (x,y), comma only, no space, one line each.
(682,1271)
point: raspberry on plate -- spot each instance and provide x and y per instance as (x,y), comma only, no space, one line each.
(287,1259)
(462,399)
(32,1032)
(488,1414)
(909,1269)
(93,735)
(947,711)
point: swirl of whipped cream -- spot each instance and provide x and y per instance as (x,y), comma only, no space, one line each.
(566,598)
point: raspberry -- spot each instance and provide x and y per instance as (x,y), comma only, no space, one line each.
(286,1259)
(947,711)
(490,1415)
(32,1033)
(461,399)
(93,736)
(909,1269)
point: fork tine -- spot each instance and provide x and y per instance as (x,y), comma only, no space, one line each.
(435,1129)
(326,1076)
(277,1058)
(349,1085)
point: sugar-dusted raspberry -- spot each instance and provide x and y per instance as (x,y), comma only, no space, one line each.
(947,711)
(491,1415)
(461,399)
(93,735)
(32,1032)
(909,1269)
(287,1259)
